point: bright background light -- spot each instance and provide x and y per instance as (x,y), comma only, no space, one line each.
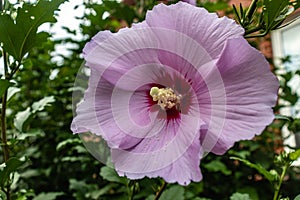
(66,17)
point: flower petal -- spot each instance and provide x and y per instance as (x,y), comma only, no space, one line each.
(175,158)
(96,40)
(251,92)
(206,28)
(146,146)
(221,78)
(128,49)
(184,170)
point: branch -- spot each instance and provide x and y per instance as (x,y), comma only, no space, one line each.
(160,191)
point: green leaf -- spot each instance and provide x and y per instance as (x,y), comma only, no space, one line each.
(110,174)
(8,34)
(4,84)
(275,11)
(120,11)
(21,118)
(217,166)
(48,196)
(150,197)
(81,189)
(215,6)
(19,36)
(251,191)
(10,166)
(41,104)
(284,198)
(174,193)
(74,159)
(240,196)
(294,155)
(297,197)
(11,92)
(282,117)
(271,177)
(2,195)
(27,63)
(294,126)
(31,133)
(68,141)
(104,190)
(2,166)
(295,4)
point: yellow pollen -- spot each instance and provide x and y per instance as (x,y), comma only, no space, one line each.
(166,97)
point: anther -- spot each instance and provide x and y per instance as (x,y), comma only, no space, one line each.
(166,97)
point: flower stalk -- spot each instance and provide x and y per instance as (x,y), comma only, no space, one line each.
(278,186)
(131,189)
(3,109)
(160,191)
(4,143)
(3,128)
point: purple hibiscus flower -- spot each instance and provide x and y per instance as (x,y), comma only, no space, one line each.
(164,92)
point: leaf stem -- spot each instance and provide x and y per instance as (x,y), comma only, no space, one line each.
(256,36)
(253,30)
(4,143)
(277,187)
(3,113)
(160,191)
(13,71)
(3,127)
(3,109)
(130,189)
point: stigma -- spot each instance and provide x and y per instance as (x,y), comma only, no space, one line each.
(166,98)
